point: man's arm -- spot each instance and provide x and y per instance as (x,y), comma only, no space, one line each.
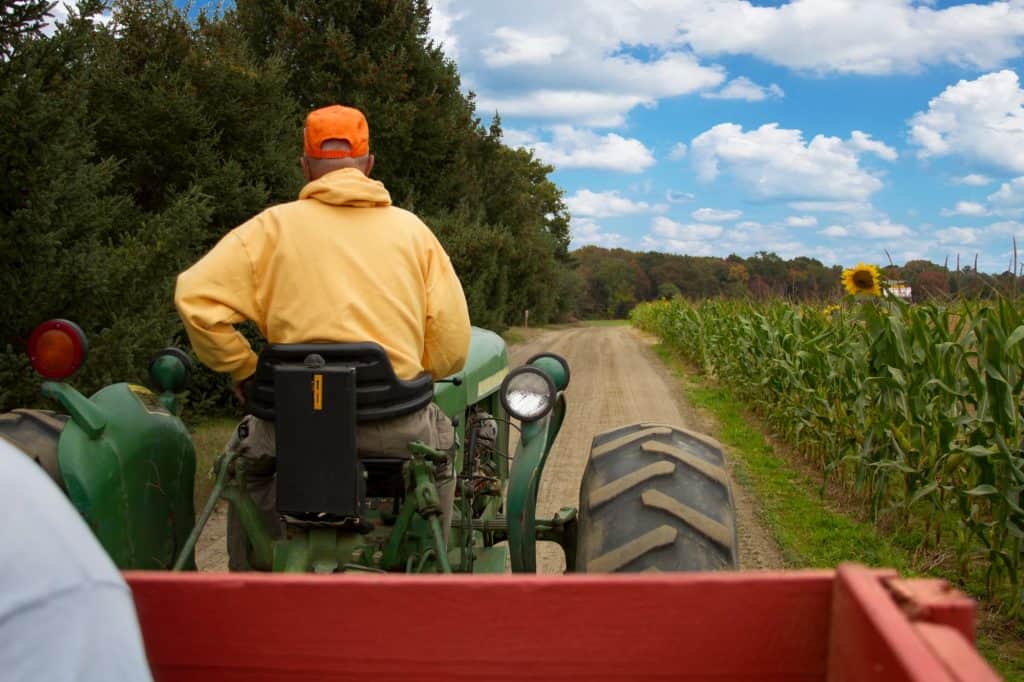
(447,339)
(211,296)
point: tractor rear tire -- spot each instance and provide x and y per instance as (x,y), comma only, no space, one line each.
(655,498)
(36,433)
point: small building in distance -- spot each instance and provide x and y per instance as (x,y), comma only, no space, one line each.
(898,288)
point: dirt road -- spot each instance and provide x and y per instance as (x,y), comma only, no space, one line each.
(616,380)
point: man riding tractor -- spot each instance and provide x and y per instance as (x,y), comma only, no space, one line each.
(340,265)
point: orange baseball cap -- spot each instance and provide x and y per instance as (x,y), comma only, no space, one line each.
(336,123)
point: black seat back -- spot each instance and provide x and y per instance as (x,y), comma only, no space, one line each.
(380,394)
(316,393)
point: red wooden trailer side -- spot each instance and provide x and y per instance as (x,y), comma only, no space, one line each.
(847,625)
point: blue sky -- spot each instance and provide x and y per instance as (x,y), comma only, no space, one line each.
(836,129)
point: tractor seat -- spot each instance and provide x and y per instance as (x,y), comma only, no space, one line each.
(380,394)
(317,393)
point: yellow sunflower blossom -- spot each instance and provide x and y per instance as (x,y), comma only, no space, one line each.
(863,279)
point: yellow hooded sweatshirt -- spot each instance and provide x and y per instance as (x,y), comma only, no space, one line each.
(341,264)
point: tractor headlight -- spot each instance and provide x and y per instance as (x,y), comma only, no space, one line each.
(527,394)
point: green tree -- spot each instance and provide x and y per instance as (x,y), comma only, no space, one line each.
(668,291)
(375,55)
(131,147)
(931,284)
(21,21)
(130,151)
(74,245)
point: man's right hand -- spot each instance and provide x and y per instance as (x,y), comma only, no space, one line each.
(240,388)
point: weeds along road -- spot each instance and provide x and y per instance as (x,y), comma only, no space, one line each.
(616,380)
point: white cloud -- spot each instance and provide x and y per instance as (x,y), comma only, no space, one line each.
(745,89)
(957,235)
(974,180)
(604,91)
(969,208)
(882,229)
(847,207)
(835,231)
(772,162)
(572,61)
(692,239)
(542,53)
(1009,198)
(571,147)
(442,26)
(643,187)
(981,120)
(680,246)
(802,221)
(674,197)
(666,227)
(865,37)
(746,238)
(586,231)
(600,109)
(604,204)
(712,215)
(863,142)
(1007,227)
(678,151)
(517,47)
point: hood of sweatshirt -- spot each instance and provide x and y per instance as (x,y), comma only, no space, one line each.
(347,187)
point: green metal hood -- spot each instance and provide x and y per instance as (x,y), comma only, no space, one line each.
(132,478)
(485,368)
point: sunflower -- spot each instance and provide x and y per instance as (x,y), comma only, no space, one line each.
(863,279)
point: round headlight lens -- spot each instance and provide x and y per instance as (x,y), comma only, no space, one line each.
(528,394)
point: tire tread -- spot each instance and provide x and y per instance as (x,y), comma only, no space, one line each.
(655,498)
(36,433)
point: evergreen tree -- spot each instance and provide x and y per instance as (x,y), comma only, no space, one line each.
(132,145)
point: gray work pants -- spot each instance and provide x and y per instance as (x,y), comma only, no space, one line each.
(254,440)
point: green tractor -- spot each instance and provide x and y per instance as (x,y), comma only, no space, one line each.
(653,497)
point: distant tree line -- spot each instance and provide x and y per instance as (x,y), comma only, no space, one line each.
(133,144)
(615,280)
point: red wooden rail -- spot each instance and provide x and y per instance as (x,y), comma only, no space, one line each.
(843,625)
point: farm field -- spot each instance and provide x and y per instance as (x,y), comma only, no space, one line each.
(898,415)
(809,529)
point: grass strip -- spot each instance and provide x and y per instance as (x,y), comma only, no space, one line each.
(209,436)
(605,323)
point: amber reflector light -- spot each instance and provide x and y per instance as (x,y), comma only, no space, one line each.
(57,349)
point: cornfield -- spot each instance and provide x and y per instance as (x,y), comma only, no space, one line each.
(916,407)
